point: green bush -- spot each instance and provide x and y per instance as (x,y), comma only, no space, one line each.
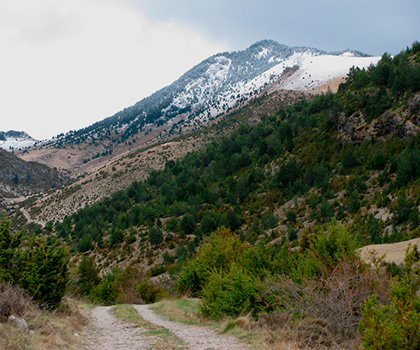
(148,292)
(155,236)
(191,281)
(219,252)
(43,271)
(105,292)
(38,267)
(88,275)
(229,294)
(326,248)
(395,325)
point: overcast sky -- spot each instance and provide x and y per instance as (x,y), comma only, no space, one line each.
(65,64)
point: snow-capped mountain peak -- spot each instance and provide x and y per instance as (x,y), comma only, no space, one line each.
(225,80)
(15,140)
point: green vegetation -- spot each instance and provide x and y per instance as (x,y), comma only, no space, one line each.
(297,153)
(234,278)
(34,265)
(395,325)
(119,286)
(266,220)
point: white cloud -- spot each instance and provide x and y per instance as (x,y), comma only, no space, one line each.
(65,64)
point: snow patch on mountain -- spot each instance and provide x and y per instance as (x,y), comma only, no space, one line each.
(225,81)
(15,140)
(217,91)
(317,70)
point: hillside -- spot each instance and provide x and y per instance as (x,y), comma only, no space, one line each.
(352,156)
(136,164)
(19,178)
(265,219)
(205,93)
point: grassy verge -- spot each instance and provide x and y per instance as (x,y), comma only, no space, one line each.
(187,311)
(276,331)
(52,330)
(159,336)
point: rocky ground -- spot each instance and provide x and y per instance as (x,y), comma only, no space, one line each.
(111,333)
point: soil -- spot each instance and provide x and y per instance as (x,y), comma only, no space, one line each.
(394,252)
(197,338)
(109,333)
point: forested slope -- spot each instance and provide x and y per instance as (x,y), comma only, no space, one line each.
(303,166)
(266,221)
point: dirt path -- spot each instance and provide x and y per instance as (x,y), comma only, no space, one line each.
(197,338)
(111,333)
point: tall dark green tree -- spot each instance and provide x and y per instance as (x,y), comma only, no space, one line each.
(88,275)
(155,236)
(34,265)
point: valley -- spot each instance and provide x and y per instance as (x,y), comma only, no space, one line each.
(255,183)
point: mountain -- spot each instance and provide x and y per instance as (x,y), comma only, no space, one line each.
(12,140)
(208,91)
(363,110)
(222,81)
(265,218)
(20,178)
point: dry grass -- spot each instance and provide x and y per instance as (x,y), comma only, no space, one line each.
(58,329)
(185,310)
(272,331)
(278,331)
(321,314)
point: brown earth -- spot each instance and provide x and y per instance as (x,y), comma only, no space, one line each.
(394,252)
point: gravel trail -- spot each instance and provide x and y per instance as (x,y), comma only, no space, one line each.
(110,333)
(197,338)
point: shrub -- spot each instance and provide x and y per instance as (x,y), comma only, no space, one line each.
(219,252)
(105,292)
(172,224)
(349,160)
(155,236)
(327,249)
(291,216)
(37,267)
(88,274)
(84,244)
(43,271)
(191,281)
(148,292)
(403,210)
(117,237)
(187,224)
(229,294)
(395,325)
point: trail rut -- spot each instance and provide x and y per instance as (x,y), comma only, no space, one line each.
(197,338)
(111,333)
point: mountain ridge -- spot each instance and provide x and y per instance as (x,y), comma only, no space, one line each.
(21,178)
(202,95)
(255,52)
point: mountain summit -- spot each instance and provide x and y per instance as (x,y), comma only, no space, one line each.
(205,93)
(15,140)
(223,81)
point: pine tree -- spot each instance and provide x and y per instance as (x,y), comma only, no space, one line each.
(37,267)
(88,274)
